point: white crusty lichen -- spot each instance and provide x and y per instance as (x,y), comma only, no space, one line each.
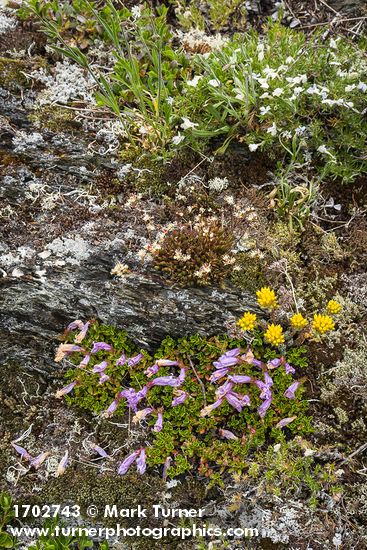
(66,83)
(72,250)
(6,23)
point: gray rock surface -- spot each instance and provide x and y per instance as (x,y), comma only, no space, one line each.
(56,271)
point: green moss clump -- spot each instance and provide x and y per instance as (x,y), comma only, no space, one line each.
(12,73)
(250,275)
(54,118)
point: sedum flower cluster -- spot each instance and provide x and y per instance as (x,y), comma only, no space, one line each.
(274,333)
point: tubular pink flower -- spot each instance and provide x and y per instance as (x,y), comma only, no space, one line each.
(62,464)
(65,390)
(159,423)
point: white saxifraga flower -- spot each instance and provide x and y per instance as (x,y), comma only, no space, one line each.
(278,92)
(254,146)
(264,110)
(176,140)
(194,82)
(214,83)
(187,123)
(272,130)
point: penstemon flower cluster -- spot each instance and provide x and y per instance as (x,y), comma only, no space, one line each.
(227,373)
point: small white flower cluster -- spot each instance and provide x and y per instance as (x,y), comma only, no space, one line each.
(120,270)
(196,39)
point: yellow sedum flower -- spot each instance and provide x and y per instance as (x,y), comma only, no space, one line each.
(333,307)
(298,321)
(266,297)
(274,335)
(248,321)
(322,323)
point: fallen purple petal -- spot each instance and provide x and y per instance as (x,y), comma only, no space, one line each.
(289,369)
(62,464)
(39,460)
(218,374)
(141,415)
(226,434)
(141,464)
(99,451)
(285,421)
(209,408)
(125,465)
(23,452)
(152,370)
(121,360)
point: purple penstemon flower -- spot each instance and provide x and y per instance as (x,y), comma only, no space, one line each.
(268,379)
(245,400)
(233,400)
(180,398)
(74,325)
(99,346)
(226,434)
(100,367)
(103,377)
(99,451)
(264,406)
(289,369)
(125,465)
(274,363)
(225,388)
(62,464)
(39,459)
(232,352)
(218,374)
(135,360)
(23,452)
(181,377)
(64,350)
(141,415)
(141,464)
(285,421)
(121,360)
(166,363)
(290,392)
(111,409)
(257,363)
(82,334)
(85,361)
(65,390)
(151,371)
(265,389)
(209,408)
(241,379)
(226,362)
(158,426)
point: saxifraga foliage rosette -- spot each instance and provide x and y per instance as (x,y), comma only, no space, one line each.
(196,254)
